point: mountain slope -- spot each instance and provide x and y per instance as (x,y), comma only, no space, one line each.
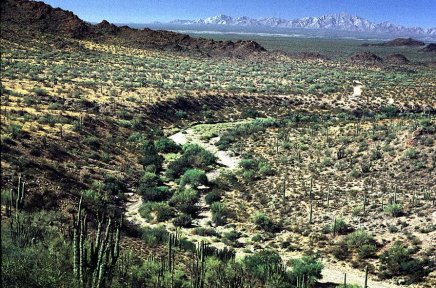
(339,21)
(38,17)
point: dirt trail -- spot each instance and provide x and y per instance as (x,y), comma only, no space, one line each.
(332,273)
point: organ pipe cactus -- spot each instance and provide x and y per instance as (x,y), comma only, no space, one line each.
(93,269)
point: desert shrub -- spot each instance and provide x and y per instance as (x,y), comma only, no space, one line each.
(185,201)
(219,213)
(162,211)
(394,209)
(427,126)
(181,114)
(358,238)
(183,220)
(213,196)
(251,113)
(255,168)
(389,111)
(262,263)
(150,179)
(166,145)
(92,142)
(40,91)
(193,177)
(193,156)
(154,235)
(398,261)
(159,193)
(150,157)
(113,185)
(16,131)
(366,251)
(340,251)
(232,235)
(307,268)
(202,231)
(411,153)
(262,221)
(339,226)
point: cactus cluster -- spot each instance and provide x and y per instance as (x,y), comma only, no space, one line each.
(94,259)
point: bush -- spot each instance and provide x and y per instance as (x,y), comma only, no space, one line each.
(358,239)
(398,261)
(40,91)
(341,226)
(194,178)
(307,268)
(113,185)
(394,209)
(366,251)
(150,157)
(155,236)
(185,201)
(150,179)
(193,156)
(166,145)
(262,221)
(213,196)
(262,263)
(219,213)
(16,131)
(183,221)
(92,142)
(157,194)
(232,235)
(162,211)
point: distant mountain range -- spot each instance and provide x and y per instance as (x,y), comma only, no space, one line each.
(338,22)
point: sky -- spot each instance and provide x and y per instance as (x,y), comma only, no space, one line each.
(403,12)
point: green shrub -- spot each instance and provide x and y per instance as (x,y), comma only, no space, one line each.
(40,91)
(162,211)
(394,209)
(262,221)
(193,156)
(166,145)
(16,131)
(262,263)
(194,178)
(219,213)
(366,251)
(398,261)
(92,142)
(157,194)
(232,235)
(183,221)
(155,235)
(213,196)
(358,238)
(185,201)
(307,268)
(150,179)
(150,157)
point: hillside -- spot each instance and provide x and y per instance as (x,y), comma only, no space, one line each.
(39,17)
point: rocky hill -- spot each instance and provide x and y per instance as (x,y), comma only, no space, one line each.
(409,42)
(38,17)
(430,48)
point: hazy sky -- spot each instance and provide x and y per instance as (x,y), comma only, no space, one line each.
(404,12)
